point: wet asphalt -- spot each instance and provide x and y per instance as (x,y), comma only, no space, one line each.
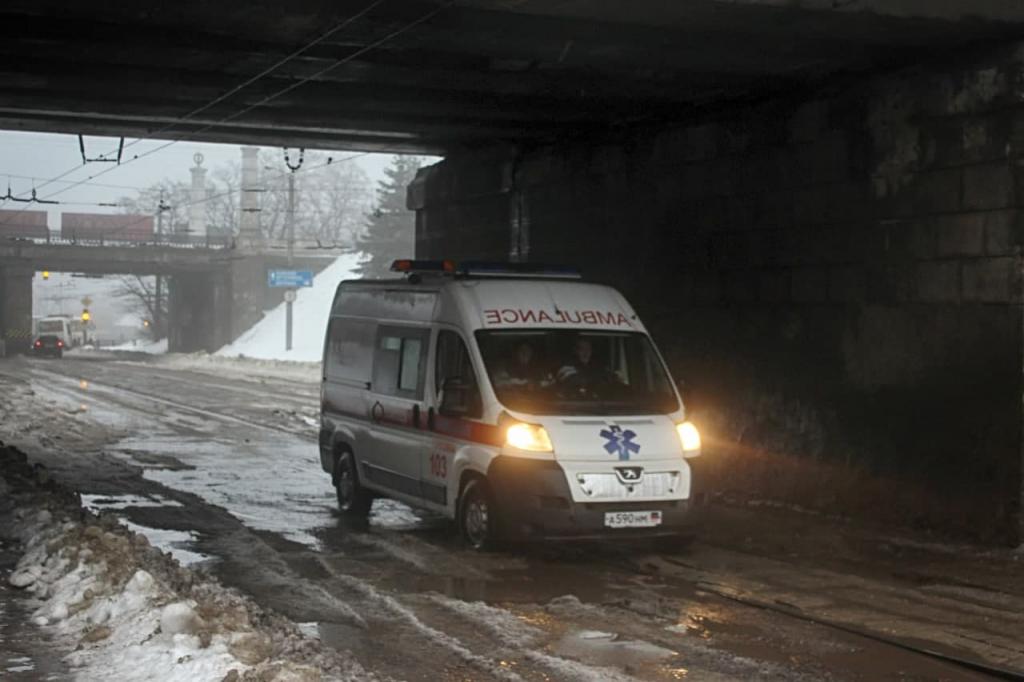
(229,464)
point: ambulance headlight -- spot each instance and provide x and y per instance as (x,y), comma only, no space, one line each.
(689,436)
(528,437)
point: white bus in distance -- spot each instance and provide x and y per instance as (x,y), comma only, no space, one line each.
(517,400)
(53,335)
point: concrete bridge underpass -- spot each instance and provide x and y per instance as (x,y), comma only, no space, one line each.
(816,205)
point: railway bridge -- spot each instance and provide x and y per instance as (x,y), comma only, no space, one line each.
(215,290)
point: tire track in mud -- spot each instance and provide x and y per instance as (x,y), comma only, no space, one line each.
(286,589)
(108,389)
(422,557)
(261,564)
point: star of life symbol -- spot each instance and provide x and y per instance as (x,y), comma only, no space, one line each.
(620,442)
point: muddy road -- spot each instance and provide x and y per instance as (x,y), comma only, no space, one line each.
(221,467)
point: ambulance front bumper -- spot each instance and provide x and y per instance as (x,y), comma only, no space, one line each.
(535,503)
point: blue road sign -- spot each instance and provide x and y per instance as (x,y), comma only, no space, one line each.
(290,278)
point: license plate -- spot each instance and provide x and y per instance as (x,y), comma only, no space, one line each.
(632,519)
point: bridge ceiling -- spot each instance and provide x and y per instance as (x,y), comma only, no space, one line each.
(432,76)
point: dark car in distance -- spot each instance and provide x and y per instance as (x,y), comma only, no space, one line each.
(48,344)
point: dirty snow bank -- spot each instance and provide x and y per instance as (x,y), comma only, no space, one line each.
(142,346)
(127,611)
(244,367)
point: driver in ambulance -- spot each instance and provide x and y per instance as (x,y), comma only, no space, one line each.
(522,371)
(582,372)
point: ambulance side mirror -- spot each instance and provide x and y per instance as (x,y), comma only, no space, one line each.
(459,398)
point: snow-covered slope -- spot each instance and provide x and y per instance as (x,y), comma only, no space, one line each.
(142,346)
(266,339)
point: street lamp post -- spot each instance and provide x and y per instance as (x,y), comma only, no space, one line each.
(158,303)
(291,257)
(290,294)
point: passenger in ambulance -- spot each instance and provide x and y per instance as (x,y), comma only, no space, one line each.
(582,373)
(522,372)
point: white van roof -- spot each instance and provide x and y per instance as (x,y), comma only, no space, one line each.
(490,303)
(523,303)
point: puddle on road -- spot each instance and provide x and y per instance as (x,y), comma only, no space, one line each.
(740,639)
(395,515)
(100,503)
(268,482)
(73,399)
(607,649)
(706,623)
(163,450)
(179,544)
(311,630)
(272,483)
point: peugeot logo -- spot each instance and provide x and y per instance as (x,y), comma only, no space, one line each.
(629,474)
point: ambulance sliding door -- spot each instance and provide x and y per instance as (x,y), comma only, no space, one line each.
(397,409)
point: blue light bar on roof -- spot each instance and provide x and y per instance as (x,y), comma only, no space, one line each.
(499,269)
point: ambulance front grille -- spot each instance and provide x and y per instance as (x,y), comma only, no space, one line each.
(607,486)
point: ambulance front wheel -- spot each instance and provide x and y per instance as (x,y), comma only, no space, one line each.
(478,515)
(353,499)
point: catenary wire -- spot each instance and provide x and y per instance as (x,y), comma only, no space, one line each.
(211,197)
(244,84)
(263,101)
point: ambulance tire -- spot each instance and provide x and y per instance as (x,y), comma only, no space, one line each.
(478,516)
(353,499)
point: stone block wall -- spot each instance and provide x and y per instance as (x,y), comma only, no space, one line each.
(15,310)
(837,278)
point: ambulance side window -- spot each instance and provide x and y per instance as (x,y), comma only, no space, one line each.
(400,362)
(454,367)
(349,353)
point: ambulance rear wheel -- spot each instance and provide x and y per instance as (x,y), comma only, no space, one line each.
(478,516)
(353,499)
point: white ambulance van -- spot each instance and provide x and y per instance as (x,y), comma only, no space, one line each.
(515,399)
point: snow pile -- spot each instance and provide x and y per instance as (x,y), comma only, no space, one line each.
(130,612)
(244,367)
(142,346)
(310,312)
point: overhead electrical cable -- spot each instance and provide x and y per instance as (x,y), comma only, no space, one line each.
(211,197)
(251,80)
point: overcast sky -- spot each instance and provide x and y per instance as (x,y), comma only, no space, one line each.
(44,156)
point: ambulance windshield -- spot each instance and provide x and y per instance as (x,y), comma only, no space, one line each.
(575,373)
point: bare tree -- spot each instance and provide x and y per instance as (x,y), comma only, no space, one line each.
(140,294)
(330,199)
(175,196)
(223,199)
